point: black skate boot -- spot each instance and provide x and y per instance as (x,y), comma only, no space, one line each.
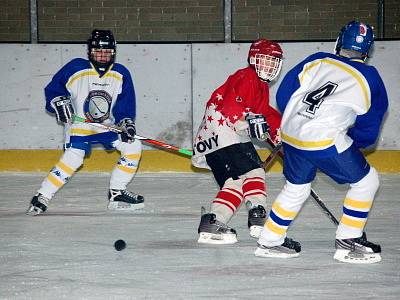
(288,249)
(256,220)
(124,200)
(357,251)
(212,231)
(38,205)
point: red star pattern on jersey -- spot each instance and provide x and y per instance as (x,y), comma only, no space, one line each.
(254,95)
(224,123)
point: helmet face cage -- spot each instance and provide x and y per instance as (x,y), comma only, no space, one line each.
(267,67)
(266,58)
(357,37)
(102,48)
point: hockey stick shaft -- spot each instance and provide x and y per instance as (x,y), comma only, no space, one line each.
(313,193)
(275,151)
(116,129)
(187,152)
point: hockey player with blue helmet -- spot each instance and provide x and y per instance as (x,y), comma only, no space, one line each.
(332,105)
(355,37)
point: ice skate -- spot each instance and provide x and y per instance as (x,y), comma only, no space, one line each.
(212,231)
(357,251)
(256,220)
(288,249)
(38,205)
(124,200)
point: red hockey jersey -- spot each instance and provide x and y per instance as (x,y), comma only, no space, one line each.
(223,122)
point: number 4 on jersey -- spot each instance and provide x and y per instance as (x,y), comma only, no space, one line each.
(315,98)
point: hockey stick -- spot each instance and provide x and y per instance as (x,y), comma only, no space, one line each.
(275,151)
(187,152)
(116,129)
(313,193)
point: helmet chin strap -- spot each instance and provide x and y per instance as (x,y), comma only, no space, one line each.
(101,68)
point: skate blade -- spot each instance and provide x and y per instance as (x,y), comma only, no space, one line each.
(255,231)
(216,239)
(356,258)
(122,206)
(261,252)
(33,211)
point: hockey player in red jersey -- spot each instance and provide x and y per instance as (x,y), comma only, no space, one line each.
(238,110)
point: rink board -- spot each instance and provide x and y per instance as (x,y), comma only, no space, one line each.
(385,161)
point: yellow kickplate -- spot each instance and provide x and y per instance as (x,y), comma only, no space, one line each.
(385,161)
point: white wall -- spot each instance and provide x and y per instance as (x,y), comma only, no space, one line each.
(172,84)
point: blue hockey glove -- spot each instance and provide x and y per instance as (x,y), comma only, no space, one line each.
(258,127)
(128,130)
(63,108)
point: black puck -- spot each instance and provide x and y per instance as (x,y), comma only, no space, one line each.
(119,245)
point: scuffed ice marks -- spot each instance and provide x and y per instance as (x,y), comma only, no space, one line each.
(179,134)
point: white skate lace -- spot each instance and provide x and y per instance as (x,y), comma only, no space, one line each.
(42,199)
(130,194)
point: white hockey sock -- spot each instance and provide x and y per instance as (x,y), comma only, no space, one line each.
(127,165)
(283,211)
(228,200)
(254,188)
(69,162)
(357,205)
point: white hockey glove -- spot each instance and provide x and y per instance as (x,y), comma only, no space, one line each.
(128,130)
(63,108)
(258,127)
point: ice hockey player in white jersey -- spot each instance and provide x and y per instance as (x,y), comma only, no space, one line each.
(236,111)
(101,91)
(332,106)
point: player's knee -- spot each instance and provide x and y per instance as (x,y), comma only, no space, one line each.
(297,190)
(255,173)
(370,181)
(130,148)
(74,157)
(233,183)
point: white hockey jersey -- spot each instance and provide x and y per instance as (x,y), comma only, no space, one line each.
(323,97)
(101,98)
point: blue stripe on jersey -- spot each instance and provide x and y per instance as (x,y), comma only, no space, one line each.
(125,103)
(278,220)
(57,86)
(366,128)
(355,213)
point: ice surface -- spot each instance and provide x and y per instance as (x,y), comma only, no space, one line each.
(68,251)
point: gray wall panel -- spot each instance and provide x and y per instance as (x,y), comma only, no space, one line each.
(172,81)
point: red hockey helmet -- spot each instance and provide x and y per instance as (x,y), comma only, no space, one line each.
(266,58)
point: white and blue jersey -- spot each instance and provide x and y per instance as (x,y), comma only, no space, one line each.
(329,102)
(331,106)
(101,98)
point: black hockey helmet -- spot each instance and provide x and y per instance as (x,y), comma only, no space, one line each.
(101,39)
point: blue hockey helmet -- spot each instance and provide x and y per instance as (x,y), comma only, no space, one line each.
(355,36)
